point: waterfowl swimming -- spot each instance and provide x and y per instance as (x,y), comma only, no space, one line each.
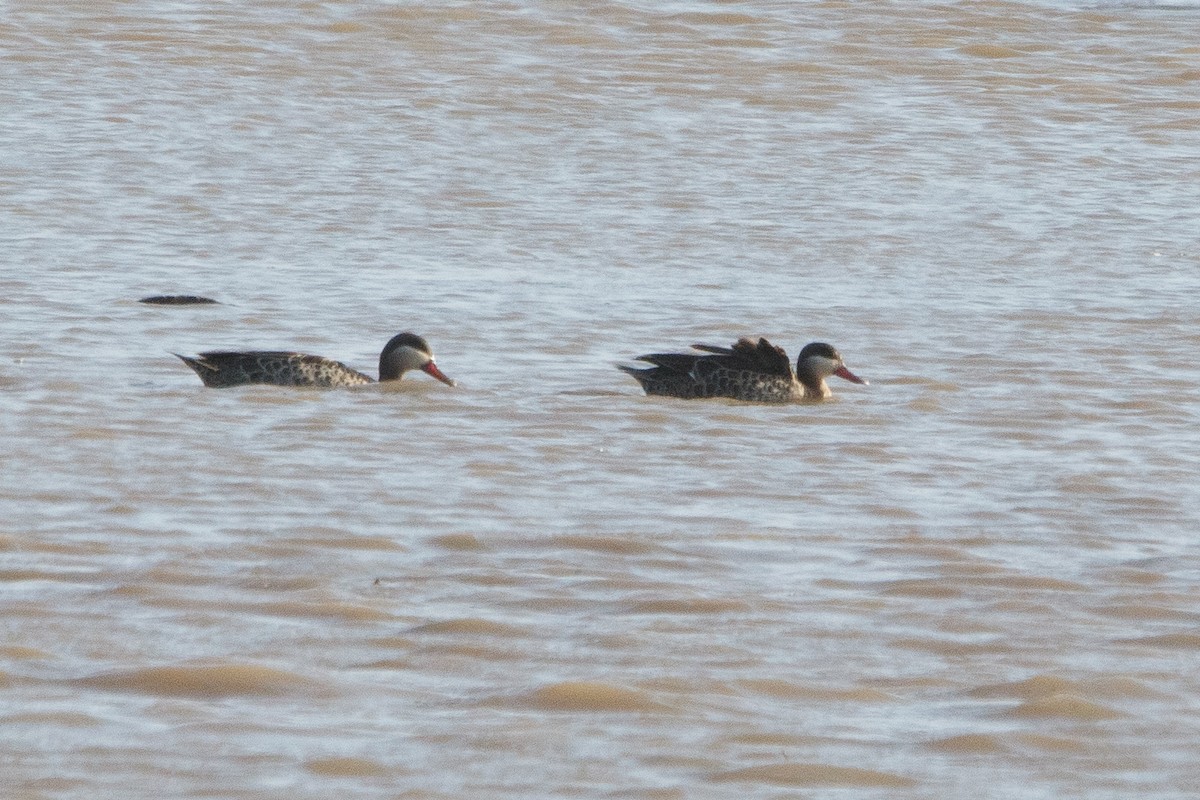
(747,371)
(403,352)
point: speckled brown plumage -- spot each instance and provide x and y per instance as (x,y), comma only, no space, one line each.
(753,371)
(223,368)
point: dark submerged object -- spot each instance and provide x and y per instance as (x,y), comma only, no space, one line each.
(178,300)
(222,368)
(758,372)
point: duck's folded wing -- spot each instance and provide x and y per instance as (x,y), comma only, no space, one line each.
(771,359)
(708,348)
(761,356)
(231,368)
(675,362)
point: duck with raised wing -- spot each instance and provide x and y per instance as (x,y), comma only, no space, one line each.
(404,352)
(759,372)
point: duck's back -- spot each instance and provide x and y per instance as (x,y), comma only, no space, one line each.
(220,369)
(758,372)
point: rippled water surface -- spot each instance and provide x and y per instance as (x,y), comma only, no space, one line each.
(975,577)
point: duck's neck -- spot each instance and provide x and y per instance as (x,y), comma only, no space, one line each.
(815,387)
(390,368)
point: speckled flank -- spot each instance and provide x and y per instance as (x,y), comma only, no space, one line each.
(749,385)
(718,382)
(223,369)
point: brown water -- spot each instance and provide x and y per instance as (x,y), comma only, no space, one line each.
(975,577)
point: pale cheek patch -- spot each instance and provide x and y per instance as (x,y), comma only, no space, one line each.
(411,355)
(822,365)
